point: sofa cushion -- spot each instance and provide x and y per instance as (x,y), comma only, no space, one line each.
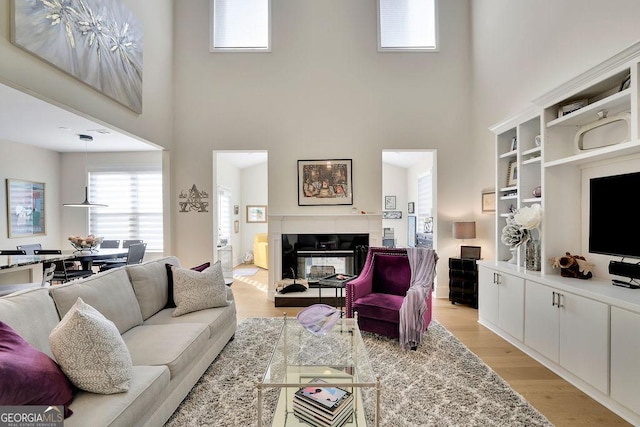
(91,351)
(175,345)
(150,284)
(391,274)
(194,290)
(379,306)
(149,385)
(110,293)
(33,315)
(215,318)
(30,377)
(171,303)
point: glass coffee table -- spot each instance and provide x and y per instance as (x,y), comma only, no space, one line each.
(339,359)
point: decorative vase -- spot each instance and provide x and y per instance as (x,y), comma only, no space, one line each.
(514,253)
(532,255)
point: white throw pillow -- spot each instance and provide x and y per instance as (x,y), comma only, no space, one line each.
(194,290)
(90,351)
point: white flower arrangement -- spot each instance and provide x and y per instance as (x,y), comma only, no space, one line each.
(520,225)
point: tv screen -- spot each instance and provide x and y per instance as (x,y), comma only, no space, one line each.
(613,220)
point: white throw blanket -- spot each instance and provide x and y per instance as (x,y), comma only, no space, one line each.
(423,270)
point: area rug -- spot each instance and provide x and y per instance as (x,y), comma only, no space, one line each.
(245,271)
(441,384)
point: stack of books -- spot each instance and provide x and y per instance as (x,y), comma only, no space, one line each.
(322,406)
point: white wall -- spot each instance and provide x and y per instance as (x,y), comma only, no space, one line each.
(521,50)
(25,71)
(29,163)
(394,183)
(323,92)
(254,192)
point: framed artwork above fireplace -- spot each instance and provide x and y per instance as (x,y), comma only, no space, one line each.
(325,182)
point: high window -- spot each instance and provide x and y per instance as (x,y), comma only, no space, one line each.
(134,211)
(407,25)
(241,25)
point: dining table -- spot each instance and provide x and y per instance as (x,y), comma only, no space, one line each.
(87,257)
(26,268)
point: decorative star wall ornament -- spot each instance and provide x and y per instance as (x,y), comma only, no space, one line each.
(192,200)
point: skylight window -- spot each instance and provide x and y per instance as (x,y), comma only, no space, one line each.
(241,25)
(407,25)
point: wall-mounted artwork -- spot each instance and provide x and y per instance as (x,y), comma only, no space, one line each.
(324,182)
(256,213)
(97,42)
(25,208)
(193,200)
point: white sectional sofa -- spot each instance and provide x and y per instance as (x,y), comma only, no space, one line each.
(169,354)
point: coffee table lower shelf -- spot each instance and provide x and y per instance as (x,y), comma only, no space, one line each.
(284,414)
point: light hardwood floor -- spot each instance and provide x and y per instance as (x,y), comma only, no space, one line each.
(559,401)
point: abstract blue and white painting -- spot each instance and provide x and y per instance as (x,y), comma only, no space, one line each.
(100,42)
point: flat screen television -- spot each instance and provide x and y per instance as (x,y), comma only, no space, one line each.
(613,220)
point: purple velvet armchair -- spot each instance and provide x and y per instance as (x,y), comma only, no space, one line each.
(378,291)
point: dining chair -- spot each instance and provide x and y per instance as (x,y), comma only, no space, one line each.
(127,243)
(47,275)
(12,252)
(29,249)
(110,244)
(135,256)
(64,270)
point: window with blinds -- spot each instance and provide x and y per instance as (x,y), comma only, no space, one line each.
(240,25)
(407,25)
(224,215)
(425,202)
(134,200)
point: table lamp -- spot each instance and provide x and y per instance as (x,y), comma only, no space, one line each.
(463,230)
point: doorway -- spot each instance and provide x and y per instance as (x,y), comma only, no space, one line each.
(240,178)
(409,199)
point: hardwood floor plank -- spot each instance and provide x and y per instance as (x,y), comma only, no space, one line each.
(559,401)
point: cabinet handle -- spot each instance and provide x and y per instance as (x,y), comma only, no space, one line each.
(560,300)
(498,279)
(553,298)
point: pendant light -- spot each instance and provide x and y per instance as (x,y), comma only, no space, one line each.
(86,203)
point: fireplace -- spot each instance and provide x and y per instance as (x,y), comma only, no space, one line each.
(369,225)
(312,256)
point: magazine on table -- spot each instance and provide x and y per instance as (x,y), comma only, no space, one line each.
(330,398)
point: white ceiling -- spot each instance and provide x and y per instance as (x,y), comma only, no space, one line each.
(29,120)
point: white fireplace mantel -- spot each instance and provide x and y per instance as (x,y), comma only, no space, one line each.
(280,224)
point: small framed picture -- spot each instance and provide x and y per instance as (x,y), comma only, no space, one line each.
(236,209)
(514,143)
(488,201)
(236,226)
(389,202)
(411,208)
(512,174)
(391,214)
(256,213)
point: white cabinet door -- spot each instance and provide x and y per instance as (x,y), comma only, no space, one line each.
(511,305)
(542,321)
(488,295)
(625,354)
(584,339)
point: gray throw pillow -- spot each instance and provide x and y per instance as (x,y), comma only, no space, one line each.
(91,351)
(195,290)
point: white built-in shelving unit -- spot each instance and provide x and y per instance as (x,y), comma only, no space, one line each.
(587,331)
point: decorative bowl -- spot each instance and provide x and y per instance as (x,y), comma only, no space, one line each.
(85,243)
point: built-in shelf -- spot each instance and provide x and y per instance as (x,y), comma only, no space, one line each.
(513,153)
(530,161)
(614,104)
(602,153)
(535,150)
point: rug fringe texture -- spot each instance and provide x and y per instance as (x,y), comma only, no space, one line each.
(441,384)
